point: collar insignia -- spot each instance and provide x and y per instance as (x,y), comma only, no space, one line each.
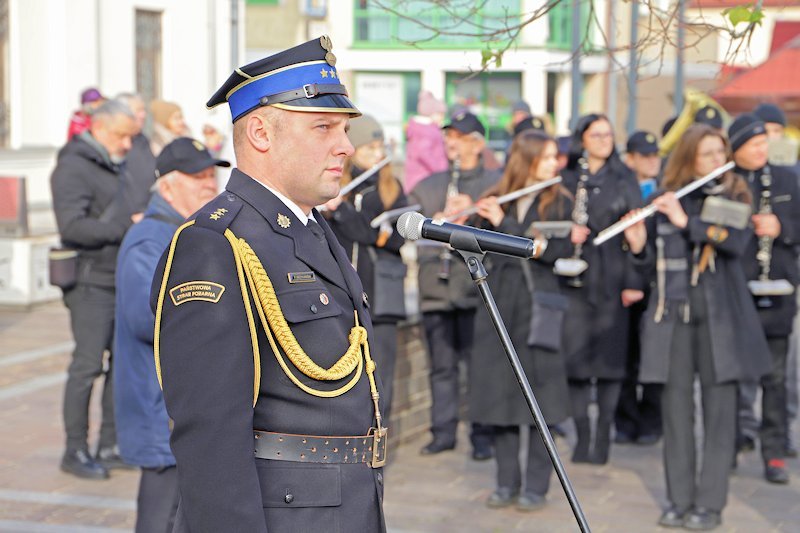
(284,221)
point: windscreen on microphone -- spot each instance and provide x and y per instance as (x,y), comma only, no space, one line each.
(409,225)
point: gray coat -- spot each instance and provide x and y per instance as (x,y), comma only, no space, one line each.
(459,291)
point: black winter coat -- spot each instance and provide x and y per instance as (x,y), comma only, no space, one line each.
(739,348)
(778,319)
(351,226)
(596,344)
(459,291)
(495,396)
(91,208)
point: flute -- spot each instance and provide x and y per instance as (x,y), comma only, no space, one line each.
(509,197)
(392,214)
(361,179)
(618,227)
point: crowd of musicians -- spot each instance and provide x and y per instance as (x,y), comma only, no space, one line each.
(699,296)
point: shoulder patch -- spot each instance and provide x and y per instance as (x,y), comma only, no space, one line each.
(219,213)
(202,291)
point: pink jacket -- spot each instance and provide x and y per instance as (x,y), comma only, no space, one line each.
(425,154)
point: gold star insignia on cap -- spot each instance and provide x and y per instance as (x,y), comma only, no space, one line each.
(323,73)
(284,221)
(198,145)
(333,73)
(649,138)
(710,113)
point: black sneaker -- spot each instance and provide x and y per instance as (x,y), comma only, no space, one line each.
(80,463)
(437,446)
(775,472)
(502,497)
(701,519)
(672,517)
(482,453)
(110,459)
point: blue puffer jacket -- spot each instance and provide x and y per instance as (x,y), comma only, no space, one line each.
(141,418)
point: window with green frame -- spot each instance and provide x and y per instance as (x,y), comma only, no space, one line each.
(490,96)
(376,27)
(560,23)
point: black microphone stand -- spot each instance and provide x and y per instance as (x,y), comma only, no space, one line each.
(468,248)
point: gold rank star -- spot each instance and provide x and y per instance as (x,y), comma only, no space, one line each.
(222,210)
(323,73)
(214,216)
(333,73)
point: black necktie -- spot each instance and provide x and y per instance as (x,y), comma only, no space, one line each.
(316,229)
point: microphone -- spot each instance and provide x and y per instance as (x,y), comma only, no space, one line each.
(413,226)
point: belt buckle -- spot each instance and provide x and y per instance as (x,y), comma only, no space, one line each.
(379,438)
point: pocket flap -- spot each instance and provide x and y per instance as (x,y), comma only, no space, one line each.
(302,305)
(299,485)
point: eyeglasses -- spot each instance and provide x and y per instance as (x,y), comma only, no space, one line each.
(709,154)
(600,136)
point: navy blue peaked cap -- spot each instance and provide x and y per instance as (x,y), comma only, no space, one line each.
(303,78)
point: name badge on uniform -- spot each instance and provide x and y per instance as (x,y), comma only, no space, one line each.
(203,291)
(301,277)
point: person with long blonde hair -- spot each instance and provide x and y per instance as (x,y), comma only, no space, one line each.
(700,322)
(528,295)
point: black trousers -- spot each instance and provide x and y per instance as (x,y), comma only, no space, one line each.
(450,335)
(774,417)
(637,415)
(157,501)
(91,311)
(384,352)
(539,468)
(691,355)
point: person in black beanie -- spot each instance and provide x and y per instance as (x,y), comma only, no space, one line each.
(770,255)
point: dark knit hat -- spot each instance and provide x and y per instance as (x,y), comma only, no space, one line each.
(770,113)
(744,128)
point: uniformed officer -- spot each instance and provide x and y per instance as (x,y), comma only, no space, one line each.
(262,328)
(709,115)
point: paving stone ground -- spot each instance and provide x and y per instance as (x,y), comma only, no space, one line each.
(444,493)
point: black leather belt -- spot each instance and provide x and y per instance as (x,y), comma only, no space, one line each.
(370,448)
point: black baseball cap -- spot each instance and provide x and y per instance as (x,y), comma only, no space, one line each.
(186,155)
(530,123)
(642,142)
(466,123)
(709,115)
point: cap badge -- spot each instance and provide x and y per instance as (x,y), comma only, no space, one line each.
(327,45)
(710,113)
(324,299)
(537,123)
(284,221)
(649,138)
(197,144)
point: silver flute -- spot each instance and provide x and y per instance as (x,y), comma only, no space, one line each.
(618,227)
(510,197)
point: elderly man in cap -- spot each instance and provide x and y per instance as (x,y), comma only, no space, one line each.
(771,255)
(448,298)
(186,182)
(262,326)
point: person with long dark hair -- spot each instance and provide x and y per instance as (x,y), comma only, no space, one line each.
(528,295)
(701,322)
(597,344)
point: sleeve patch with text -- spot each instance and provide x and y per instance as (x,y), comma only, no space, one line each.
(204,291)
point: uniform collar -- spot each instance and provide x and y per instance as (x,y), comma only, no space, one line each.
(293,207)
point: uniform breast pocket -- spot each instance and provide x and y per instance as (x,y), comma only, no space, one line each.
(302,305)
(300,497)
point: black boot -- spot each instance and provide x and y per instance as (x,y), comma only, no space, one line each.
(583,430)
(602,443)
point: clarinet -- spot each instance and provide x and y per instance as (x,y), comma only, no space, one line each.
(445,257)
(574,266)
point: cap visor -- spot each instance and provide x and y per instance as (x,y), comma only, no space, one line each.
(196,165)
(326,103)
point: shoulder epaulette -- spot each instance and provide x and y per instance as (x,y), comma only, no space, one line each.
(219,213)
